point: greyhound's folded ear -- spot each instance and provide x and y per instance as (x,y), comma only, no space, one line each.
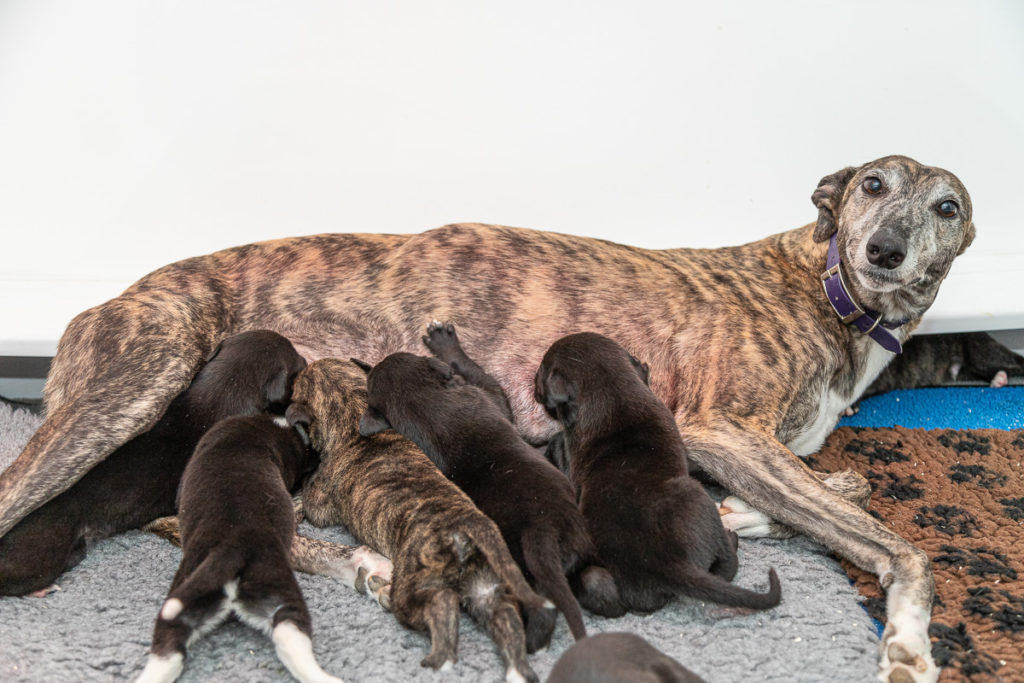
(362,365)
(827,197)
(968,238)
(373,422)
(298,414)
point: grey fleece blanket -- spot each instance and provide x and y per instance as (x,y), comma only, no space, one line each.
(98,626)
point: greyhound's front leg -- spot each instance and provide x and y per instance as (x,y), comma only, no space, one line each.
(774,481)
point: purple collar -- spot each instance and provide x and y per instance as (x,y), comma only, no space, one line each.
(847,309)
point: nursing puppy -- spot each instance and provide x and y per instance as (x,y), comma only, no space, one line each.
(471,441)
(656,529)
(593,586)
(237,525)
(390,496)
(245,375)
(618,658)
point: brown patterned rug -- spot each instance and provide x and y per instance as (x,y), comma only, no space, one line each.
(959,496)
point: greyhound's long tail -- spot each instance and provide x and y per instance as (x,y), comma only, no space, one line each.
(543,560)
(713,588)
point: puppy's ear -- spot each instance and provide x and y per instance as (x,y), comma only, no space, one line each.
(279,389)
(362,365)
(216,350)
(440,367)
(968,238)
(298,414)
(642,369)
(560,397)
(827,197)
(373,422)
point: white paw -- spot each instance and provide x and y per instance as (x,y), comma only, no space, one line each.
(43,592)
(999,380)
(747,522)
(373,575)
(907,650)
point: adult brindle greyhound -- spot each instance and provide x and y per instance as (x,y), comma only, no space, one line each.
(743,343)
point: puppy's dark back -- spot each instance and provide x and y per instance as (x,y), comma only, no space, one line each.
(238,481)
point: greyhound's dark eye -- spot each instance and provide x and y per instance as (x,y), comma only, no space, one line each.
(948,209)
(872,185)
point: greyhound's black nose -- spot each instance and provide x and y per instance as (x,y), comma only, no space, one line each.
(885,250)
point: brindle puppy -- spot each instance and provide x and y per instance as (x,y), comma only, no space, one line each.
(593,586)
(743,346)
(237,525)
(389,495)
(622,441)
(471,442)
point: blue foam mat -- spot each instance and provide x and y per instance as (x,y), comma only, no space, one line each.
(943,408)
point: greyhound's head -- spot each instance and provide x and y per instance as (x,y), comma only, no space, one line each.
(898,226)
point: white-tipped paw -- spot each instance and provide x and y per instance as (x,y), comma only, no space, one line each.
(906,663)
(373,575)
(999,380)
(747,522)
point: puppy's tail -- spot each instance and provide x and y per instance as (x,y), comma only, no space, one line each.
(713,588)
(198,590)
(487,538)
(543,560)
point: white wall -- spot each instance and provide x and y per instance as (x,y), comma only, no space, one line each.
(137,132)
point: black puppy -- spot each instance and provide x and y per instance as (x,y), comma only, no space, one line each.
(245,375)
(237,526)
(655,528)
(464,432)
(618,658)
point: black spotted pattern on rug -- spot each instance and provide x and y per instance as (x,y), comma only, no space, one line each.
(959,496)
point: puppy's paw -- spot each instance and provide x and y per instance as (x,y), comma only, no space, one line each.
(850,410)
(747,522)
(999,380)
(43,592)
(442,341)
(373,575)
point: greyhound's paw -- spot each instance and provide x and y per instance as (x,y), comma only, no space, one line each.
(373,575)
(999,380)
(906,660)
(850,410)
(747,522)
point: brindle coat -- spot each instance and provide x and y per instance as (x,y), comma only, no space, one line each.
(742,345)
(390,496)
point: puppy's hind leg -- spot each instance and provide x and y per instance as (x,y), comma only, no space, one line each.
(490,605)
(269,599)
(444,344)
(596,591)
(441,615)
